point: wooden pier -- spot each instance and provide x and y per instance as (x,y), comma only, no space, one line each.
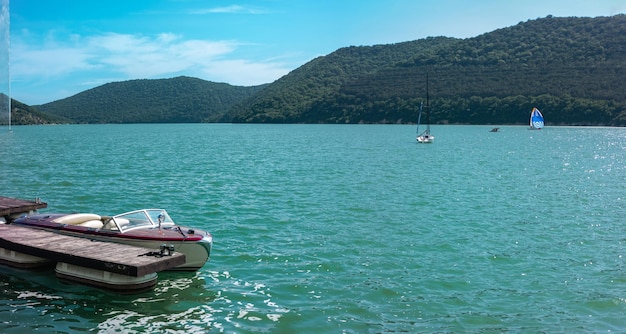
(85,253)
(14,206)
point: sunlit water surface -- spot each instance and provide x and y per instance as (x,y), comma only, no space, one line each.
(339,228)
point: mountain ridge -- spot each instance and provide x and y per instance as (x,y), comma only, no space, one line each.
(573,69)
(175,100)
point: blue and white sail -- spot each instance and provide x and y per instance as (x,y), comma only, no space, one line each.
(536,119)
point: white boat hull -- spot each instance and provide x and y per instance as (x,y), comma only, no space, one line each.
(425,139)
(196,255)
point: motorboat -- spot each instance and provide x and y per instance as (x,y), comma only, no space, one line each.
(148,228)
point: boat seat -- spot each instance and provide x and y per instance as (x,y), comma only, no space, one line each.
(92,223)
(122,222)
(76,218)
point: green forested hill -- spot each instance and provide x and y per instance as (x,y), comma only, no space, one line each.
(574,69)
(176,100)
(296,96)
(22,114)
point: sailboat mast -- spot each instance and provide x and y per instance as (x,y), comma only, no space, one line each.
(427,107)
(427,89)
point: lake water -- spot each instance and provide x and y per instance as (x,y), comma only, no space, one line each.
(339,228)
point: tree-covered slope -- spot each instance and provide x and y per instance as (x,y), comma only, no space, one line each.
(287,99)
(176,100)
(22,114)
(574,69)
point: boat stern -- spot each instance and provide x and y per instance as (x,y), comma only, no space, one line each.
(207,243)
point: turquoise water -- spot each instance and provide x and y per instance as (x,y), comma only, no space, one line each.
(339,228)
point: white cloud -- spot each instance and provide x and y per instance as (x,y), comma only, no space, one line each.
(244,73)
(47,63)
(139,56)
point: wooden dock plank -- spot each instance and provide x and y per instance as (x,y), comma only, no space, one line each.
(112,257)
(9,206)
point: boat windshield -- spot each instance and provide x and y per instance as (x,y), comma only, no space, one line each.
(143,219)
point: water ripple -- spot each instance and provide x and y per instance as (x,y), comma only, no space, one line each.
(353,229)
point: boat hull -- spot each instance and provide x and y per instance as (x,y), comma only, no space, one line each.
(195,244)
(425,139)
(196,254)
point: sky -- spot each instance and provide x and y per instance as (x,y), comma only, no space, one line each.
(59,48)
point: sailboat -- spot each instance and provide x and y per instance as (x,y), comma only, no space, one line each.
(424,137)
(536,119)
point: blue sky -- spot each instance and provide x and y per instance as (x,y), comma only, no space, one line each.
(62,47)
